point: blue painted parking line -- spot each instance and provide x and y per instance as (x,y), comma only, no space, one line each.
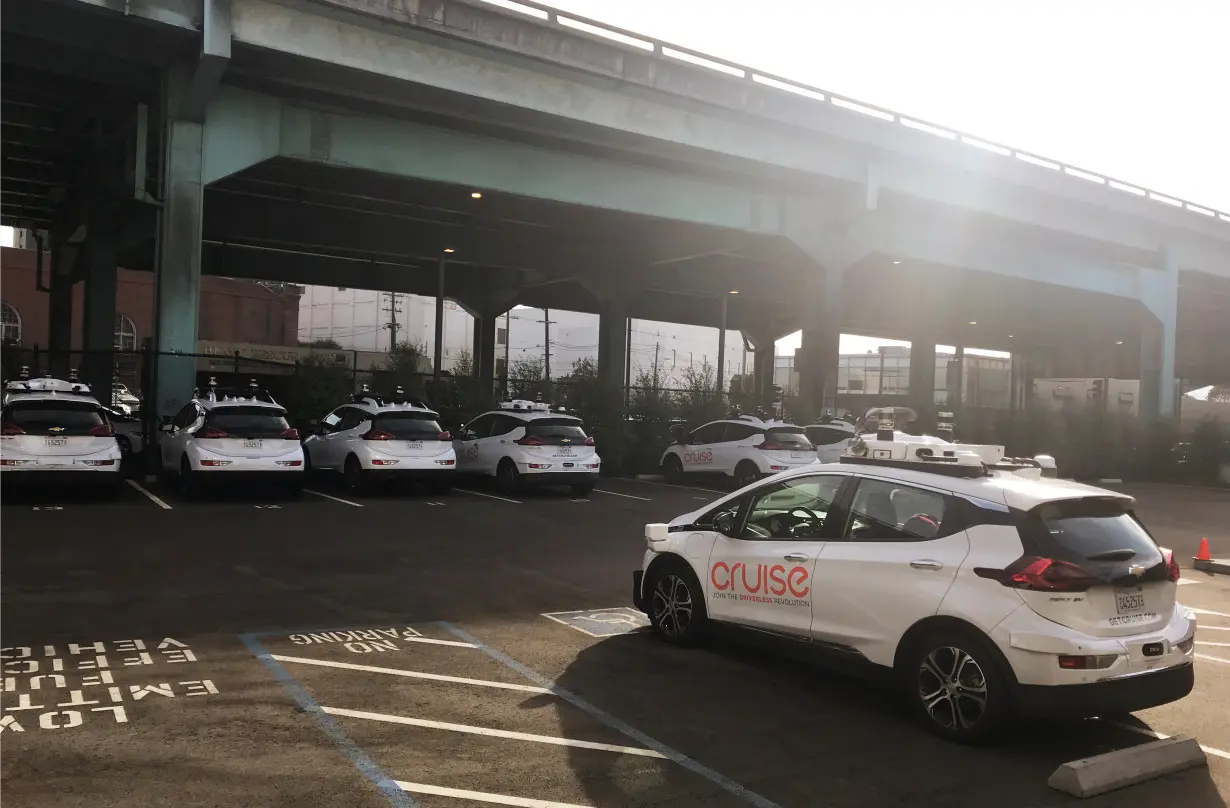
(602,622)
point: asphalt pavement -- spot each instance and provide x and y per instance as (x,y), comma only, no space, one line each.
(407,649)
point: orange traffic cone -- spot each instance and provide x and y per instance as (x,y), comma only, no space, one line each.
(1203,558)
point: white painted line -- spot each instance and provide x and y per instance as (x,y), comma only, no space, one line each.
(454,643)
(1218,644)
(494,733)
(488,496)
(1161,736)
(1206,611)
(1208,658)
(617,494)
(148,495)
(482,796)
(1213,628)
(672,485)
(1185,581)
(329,496)
(435,677)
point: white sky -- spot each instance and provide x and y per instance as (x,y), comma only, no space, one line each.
(1133,89)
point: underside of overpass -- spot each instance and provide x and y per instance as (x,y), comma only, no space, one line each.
(107,148)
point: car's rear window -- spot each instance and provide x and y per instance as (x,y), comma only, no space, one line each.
(827,435)
(789,437)
(1100,534)
(555,431)
(249,422)
(408,425)
(53,417)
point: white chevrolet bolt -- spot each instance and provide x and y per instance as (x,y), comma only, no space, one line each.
(526,443)
(231,437)
(377,438)
(744,448)
(987,589)
(54,432)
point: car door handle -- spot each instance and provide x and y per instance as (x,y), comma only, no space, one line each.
(795,557)
(926,564)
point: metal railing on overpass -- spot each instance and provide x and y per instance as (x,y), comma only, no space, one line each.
(666,51)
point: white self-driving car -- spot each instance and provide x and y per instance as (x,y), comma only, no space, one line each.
(376,438)
(231,437)
(745,448)
(54,432)
(831,438)
(527,443)
(985,588)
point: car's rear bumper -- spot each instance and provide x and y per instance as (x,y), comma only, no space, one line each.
(103,476)
(1121,695)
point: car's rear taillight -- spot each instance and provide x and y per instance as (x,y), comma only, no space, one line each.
(377,434)
(211,432)
(445,436)
(531,440)
(771,446)
(1042,574)
(103,431)
(290,434)
(1172,565)
(11,429)
(590,441)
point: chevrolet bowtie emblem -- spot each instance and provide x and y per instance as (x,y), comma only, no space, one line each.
(1136,570)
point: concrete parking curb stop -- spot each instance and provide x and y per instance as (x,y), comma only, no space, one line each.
(1217,566)
(1125,767)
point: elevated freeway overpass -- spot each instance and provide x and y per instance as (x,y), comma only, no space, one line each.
(497,157)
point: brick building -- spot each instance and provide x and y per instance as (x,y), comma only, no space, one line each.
(231,310)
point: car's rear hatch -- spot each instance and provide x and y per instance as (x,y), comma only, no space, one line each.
(247,432)
(1091,565)
(560,440)
(787,446)
(408,434)
(54,431)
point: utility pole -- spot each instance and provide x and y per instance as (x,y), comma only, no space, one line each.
(507,342)
(628,365)
(392,324)
(546,344)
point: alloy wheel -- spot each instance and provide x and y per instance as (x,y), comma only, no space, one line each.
(672,605)
(952,688)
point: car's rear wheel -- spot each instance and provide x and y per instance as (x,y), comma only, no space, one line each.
(124,444)
(746,473)
(189,486)
(507,477)
(672,468)
(956,686)
(676,603)
(353,476)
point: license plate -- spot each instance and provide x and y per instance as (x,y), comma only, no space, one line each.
(55,441)
(414,444)
(252,443)
(1129,601)
(564,453)
(798,454)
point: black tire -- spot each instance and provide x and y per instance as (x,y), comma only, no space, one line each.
(674,583)
(353,476)
(672,469)
(187,483)
(956,685)
(125,446)
(746,473)
(294,491)
(582,490)
(441,489)
(507,477)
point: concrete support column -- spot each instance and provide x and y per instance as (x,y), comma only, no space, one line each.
(612,344)
(60,308)
(177,281)
(821,337)
(98,302)
(484,349)
(1160,292)
(763,366)
(956,380)
(922,380)
(437,363)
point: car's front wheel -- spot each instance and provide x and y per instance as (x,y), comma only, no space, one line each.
(956,686)
(672,469)
(507,477)
(676,603)
(189,487)
(746,473)
(353,476)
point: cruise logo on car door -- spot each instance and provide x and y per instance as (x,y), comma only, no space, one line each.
(762,583)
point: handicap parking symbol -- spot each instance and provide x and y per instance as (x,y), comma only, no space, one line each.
(602,622)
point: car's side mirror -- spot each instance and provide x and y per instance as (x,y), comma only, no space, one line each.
(167,427)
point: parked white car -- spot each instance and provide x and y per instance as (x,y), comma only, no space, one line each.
(230,437)
(831,439)
(375,438)
(987,589)
(745,448)
(526,443)
(54,432)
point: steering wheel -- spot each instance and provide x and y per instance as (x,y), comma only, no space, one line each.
(812,519)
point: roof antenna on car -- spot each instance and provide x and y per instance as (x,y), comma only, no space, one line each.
(72,374)
(196,392)
(946,428)
(25,372)
(213,388)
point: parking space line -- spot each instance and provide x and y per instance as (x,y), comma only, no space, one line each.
(148,494)
(627,729)
(391,789)
(454,643)
(435,677)
(626,496)
(1206,611)
(329,496)
(672,485)
(1161,736)
(1218,644)
(483,796)
(488,496)
(1208,658)
(1214,628)
(495,733)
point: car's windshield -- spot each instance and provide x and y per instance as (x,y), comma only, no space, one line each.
(53,417)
